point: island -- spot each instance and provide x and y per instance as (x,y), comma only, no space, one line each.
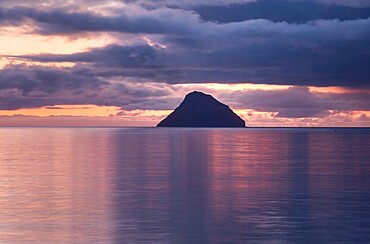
(202,110)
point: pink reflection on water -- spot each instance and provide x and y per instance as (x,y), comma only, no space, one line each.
(182,185)
(46,195)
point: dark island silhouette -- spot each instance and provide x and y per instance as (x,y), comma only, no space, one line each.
(202,110)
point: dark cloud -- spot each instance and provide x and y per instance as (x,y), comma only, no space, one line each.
(354,3)
(134,56)
(160,3)
(298,102)
(54,108)
(63,21)
(169,3)
(281,10)
(317,53)
(45,80)
(30,87)
(188,3)
(295,102)
(338,63)
(24,87)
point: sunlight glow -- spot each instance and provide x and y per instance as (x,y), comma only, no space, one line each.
(335,89)
(14,41)
(153,43)
(232,87)
(65,110)
(17,61)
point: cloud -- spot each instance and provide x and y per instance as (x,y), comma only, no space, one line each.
(189,50)
(49,81)
(298,102)
(31,87)
(157,3)
(22,86)
(165,3)
(319,53)
(128,57)
(64,21)
(167,21)
(354,3)
(265,108)
(281,10)
(174,42)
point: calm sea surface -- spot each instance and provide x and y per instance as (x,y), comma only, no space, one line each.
(156,185)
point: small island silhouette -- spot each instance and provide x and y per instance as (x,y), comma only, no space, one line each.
(202,110)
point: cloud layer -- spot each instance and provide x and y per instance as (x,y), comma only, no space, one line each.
(162,43)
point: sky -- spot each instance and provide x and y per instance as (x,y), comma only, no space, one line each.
(131,62)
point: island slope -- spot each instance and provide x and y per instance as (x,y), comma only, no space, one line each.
(202,110)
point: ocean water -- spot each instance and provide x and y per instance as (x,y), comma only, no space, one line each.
(158,185)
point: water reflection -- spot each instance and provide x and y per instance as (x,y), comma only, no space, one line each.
(298,189)
(162,190)
(146,185)
(53,186)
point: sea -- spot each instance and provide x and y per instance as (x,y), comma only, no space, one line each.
(184,185)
